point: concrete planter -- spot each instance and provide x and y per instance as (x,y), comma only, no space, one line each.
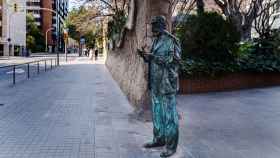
(228,82)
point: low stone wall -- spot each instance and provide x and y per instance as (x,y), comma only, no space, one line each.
(229,82)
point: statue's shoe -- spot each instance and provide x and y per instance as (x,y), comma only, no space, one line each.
(153,145)
(167,153)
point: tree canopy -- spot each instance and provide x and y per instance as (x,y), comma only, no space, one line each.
(84,22)
(34,37)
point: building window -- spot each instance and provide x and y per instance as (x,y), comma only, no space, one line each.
(37,19)
(33,3)
(34,12)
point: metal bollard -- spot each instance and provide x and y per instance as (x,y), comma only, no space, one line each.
(45,65)
(51,63)
(14,74)
(38,68)
(28,72)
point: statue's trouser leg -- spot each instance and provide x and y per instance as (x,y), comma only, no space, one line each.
(158,112)
(165,120)
(171,122)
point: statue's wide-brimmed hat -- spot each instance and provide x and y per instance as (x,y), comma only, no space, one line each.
(159,21)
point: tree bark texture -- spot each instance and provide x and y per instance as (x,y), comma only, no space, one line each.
(126,67)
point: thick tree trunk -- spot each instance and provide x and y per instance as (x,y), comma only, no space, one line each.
(246,33)
(200,6)
(126,67)
(161,7)
(244,29)
(242,19)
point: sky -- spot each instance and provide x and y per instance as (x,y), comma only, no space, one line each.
(75,3)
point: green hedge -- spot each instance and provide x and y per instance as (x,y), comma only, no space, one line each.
(208,36)
(211,48)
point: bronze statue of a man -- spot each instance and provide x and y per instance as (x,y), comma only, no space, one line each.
(163,85)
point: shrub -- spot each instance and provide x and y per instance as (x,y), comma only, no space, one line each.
(195,68)
(30,42)
(270,44)
(261,56)
(276,41)
(253,56)
(210,37)
(260,63)
(246,48)
(211,47)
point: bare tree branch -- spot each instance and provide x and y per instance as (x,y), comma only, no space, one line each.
(104,2)
(183,5)
(116,6)
(265,19)
(223,6)
(243,13)
(123,5)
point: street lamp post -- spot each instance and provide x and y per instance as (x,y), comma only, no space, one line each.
(53,11)
(65,37)
(9,39)
(9,46)
(46,48)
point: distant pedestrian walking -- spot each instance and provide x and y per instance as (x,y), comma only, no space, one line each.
(87,52)
(96,54)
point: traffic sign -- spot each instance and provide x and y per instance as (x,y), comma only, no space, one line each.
(15,7)
(82,40)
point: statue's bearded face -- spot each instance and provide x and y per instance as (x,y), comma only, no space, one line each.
(155,30)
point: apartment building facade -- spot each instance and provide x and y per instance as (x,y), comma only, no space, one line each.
(1,28)
(12,27)
(61,6)
(277,15)
(50,22)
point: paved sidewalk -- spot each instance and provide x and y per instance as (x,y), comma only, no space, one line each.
(239,124)
(78,111)
(74,111)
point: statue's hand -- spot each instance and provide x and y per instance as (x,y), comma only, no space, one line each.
(141,51)
(144,54)
(148,55)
